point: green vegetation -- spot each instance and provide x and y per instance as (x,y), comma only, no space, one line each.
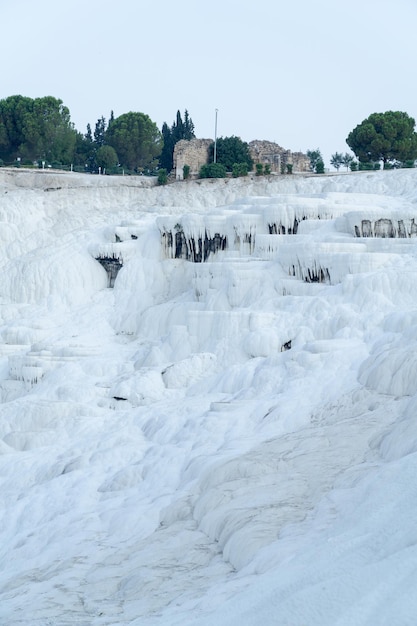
(315,159)
(387,137)
(162,176)
(171,135)
(231,150)
(347,160)
(106,158)
(38,132)
(213,170)
(136,139)
(239,169)
(36,129)
(336,160)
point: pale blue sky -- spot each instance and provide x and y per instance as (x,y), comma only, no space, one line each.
(302,73)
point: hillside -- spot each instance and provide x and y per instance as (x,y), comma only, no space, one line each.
(226,442)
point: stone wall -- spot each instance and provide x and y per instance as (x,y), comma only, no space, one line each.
(195,154)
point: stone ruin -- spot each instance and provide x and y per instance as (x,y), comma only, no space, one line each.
(268,152)
(195,153)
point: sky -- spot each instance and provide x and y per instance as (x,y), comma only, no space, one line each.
(302,74)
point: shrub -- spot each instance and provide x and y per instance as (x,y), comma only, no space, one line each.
(289,168)
(259,169)
(162,176)
(186,172)
(365,166)
(239,169)
(213,170)
(267,169)
(408,163)
(319,167)
(354,166)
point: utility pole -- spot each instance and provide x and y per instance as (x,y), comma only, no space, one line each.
(215,136)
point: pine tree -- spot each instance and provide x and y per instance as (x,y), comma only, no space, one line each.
(179,130)
(188,127)
(100,132)
(166,158)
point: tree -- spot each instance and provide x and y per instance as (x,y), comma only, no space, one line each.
(172,135)
(166,158)
(36,129)
(336,160)
(315,157)
(320,167)
(136,139)
(386,137)
(100,132)
(177,129)
(231,150)
(347,160)
(188,127)
(106,157)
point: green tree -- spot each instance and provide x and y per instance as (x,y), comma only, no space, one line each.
(259,169)
(188,127)
(315,157)
(36,129)
(320,167)
(386,137)
(100,132)
(166,158)
(231,150)
(172,135)
(12,113)
(106,157)
(136,139)
(347,160)
(336,160)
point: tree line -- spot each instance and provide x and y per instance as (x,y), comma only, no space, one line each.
(40,131)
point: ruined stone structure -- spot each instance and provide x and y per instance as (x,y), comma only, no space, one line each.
(194,153)
(268,152)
